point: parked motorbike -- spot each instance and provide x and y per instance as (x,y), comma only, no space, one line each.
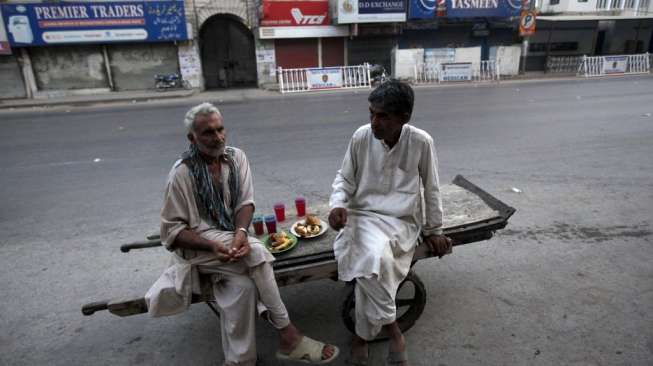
(378,74)
(164,82)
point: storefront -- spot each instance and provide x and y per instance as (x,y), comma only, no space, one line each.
(302,34)
(94,45)
(376,28)
(456,24)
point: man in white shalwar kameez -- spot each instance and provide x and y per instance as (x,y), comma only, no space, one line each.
(208,206)
(376,201)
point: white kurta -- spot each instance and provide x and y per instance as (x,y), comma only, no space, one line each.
(237,286)
(381,190)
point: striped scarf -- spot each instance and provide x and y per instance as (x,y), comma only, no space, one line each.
(210,201)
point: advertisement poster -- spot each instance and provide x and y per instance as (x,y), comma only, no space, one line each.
(615,64)
(429,9)
(371,11)
(40,24)
(295,13)
(5,49)
(460,71)
(327,78)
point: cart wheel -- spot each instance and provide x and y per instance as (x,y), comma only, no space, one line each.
(410,301)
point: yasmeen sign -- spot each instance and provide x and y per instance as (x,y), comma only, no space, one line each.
(428,9)
(295,13)
(41,24)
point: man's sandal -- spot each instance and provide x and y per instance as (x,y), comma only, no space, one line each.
(309,351)
(397,358)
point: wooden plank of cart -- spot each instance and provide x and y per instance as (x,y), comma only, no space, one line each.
(471,215)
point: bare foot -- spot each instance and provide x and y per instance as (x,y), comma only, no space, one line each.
(397,341)
(359,350)
(290,337)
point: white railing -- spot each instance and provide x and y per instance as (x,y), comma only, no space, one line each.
(563,64)
(488,71)
(614,65)
(325,78)
(435,73)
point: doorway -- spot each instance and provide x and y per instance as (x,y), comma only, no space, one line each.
(227,49)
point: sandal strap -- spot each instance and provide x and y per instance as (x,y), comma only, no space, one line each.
(308,349)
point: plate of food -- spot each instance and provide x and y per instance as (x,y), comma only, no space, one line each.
(310,227)
(280,242)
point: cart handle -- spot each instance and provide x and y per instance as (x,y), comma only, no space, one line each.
(140,245)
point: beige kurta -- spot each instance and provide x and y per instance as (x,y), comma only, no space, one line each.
(237,286)
(381,188)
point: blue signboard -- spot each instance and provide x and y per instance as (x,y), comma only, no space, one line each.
(422,9)
(41,24)
(428,9)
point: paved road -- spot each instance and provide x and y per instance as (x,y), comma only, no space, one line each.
(569,282)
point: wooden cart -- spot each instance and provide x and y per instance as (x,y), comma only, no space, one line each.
(471,215)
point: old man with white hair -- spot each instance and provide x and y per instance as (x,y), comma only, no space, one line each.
(207,210)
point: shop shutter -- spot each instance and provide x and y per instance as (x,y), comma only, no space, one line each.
(296,53)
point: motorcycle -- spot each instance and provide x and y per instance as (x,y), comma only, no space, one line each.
(378,74)
(164,82)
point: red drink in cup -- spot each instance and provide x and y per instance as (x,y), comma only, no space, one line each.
(300,204)
(257,222)
(280,211)
(271,224)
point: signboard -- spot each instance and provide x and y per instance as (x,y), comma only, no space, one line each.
(371,11)
(422,9)
(295,13)
(326,78)
(5,49)
(615,64)
(527,23)
(40,24)
(459,71)
(428,9)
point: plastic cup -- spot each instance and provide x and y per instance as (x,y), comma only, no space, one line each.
(271,224)
(257,222)
(280,211)
(300,204)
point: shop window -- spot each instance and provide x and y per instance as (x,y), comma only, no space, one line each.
(554,2)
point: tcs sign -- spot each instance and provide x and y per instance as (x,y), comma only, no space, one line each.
(294,13)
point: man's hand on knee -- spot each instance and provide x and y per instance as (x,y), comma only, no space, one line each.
(439,244)
(338,218)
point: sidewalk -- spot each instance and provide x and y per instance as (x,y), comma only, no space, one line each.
(226,95)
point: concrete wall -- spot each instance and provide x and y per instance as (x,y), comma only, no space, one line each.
(265,62)
(133,65)
(69,67)
(11,80)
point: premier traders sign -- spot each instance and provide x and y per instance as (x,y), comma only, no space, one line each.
(428,9)
(40,24)
(371,11)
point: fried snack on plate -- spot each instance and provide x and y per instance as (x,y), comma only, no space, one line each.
(301,230)
(313,229)
(278,239)
(312,220)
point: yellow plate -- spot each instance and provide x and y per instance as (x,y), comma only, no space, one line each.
(293,243)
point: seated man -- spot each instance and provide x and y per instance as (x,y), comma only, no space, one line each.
(376,201)
(208,206)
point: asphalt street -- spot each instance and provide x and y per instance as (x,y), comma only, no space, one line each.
(568,282)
